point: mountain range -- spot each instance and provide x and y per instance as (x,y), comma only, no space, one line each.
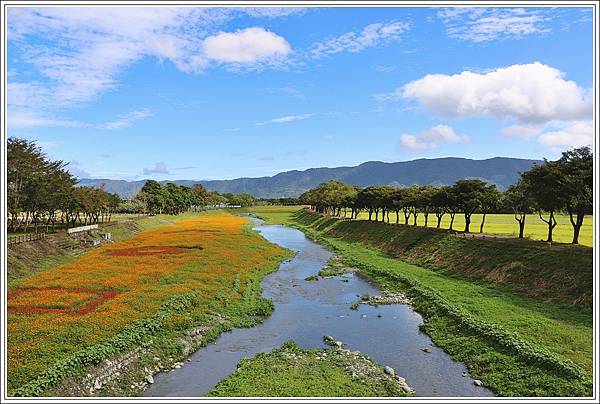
(501,171)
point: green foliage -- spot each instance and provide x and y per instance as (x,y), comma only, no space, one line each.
(40,189)
(290,371)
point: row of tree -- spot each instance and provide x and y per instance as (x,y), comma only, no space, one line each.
(41,192)
(564,185)
(170,198)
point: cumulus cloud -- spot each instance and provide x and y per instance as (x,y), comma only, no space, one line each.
(371,36)
(285,119)
(577,134)
(430,139)
(157,168)
(245,46)
(487,24)
(80,52)
(535,99)
(528,93)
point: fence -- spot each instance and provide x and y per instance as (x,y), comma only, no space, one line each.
(25,238)
(82,228)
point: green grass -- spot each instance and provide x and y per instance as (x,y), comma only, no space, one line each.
(506,225)
(565,331)
(290,371)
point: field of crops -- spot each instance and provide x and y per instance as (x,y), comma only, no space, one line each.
(505,224)
(54,313)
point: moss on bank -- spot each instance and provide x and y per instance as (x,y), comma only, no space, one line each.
(290,371)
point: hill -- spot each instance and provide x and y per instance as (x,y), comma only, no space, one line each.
(501,171)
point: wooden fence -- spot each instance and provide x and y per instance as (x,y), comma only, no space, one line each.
(25,238)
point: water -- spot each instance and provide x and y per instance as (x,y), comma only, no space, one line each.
(305,311)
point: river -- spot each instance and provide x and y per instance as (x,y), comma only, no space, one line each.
(305,311)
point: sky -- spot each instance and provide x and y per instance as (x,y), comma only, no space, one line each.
(219,93)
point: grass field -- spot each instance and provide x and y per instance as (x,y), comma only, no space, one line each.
(564,331)
(143,291)
(290,371)
(505,224)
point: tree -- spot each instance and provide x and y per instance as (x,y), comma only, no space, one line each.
(440,200)
(425,200)
(367,198)
(517,198)
(543,184)
(469,195)
(577,187)
(490,200)
(398,201)
(153,194)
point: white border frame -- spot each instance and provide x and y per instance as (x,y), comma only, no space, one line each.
(312,4)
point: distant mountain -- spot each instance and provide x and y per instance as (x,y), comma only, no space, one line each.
(501,171)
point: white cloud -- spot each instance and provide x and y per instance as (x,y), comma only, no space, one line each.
(577,134)
(291,91)
(80,52)
(245,46)
(285,119)
(371,36)
(528,93)
(127,119)
(26,119)
(75,169)
(523,131)
(430,139)
(486,24)
(157,168)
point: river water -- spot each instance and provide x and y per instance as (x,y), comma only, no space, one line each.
(305,311)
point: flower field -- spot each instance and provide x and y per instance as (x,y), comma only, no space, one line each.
(55,313)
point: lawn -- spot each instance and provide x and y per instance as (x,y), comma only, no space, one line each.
(565,331)
(505,224)
(108,299)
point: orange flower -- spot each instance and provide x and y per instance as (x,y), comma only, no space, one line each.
(56,312)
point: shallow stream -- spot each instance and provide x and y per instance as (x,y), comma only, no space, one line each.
(305,311)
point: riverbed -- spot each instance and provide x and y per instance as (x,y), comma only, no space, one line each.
(305,311)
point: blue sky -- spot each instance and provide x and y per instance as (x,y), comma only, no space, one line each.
(197,93)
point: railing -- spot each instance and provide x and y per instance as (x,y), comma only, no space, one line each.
(82,228)
(25,238)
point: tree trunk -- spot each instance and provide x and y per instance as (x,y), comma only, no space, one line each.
(415,214)
(482,223)
(426,217)
(439,220)
(521,220)
(551,222)
(577,223)
(370,214)
(452,220)
(397,216)
(467,222)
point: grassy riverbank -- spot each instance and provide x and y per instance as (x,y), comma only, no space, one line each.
(515,344)
(104,322)
(294,372)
